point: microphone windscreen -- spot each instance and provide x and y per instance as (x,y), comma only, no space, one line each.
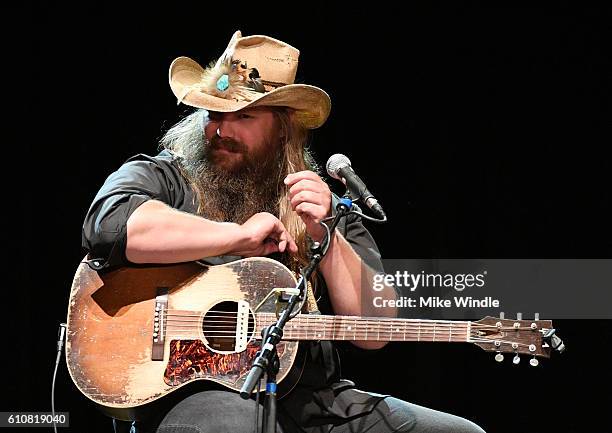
(336,162)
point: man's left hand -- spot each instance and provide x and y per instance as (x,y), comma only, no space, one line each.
(311,199)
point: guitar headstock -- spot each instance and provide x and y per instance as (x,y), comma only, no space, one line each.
(528,337)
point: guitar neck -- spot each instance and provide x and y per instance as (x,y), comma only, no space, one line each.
(353,328)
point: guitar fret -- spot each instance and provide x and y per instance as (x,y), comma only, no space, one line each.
(308,330)
(468,331)
(319,333)
(336,325)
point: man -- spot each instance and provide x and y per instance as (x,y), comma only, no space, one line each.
(235,180)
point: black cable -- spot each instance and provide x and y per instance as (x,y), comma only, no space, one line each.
(364,216)
(60,344)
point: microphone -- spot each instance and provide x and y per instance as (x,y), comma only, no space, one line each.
(339,167)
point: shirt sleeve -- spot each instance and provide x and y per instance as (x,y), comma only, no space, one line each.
(363,243)
(140,179)
(359,238)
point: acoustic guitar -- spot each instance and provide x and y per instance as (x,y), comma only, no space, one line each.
(137,334)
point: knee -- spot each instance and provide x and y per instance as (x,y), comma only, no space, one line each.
(211,412)
(462,425)
(445,422)
(408,417)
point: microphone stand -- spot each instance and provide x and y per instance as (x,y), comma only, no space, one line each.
(267,358)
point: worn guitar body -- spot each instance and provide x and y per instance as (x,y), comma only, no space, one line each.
(137,334)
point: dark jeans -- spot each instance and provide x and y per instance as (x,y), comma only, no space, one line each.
(225,412)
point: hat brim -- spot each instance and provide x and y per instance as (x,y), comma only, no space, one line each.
(311,103)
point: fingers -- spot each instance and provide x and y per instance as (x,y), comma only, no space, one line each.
(312,210)
(309,197)
(281,238)
(266,235)
(308,185)
(270,246)
(320,197)
(286,240)
(292,178)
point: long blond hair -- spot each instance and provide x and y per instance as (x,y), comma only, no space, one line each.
(297,158)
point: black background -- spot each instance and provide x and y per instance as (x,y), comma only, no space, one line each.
(485,132)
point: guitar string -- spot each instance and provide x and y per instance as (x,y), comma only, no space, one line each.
(336,328)
(324,325)
(444,334)
(405,328)
(440,335)
(373,326)
(306,332)
(333,328)
(373,322)
(188,313)
(325,317)
(358,336)
(370,325)
(307,335)
(231,331)
(314,323)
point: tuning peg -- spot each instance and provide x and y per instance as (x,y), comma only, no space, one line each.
(536,316)
(516,359)
(502,315)
(519,316)
(499,357)
(534,362)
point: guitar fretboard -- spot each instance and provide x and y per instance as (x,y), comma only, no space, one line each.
(323,327)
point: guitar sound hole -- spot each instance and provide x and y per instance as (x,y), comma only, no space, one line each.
(219,326)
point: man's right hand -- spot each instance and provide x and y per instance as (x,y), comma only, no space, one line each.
(263,234)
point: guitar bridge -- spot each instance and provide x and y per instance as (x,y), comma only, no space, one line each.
(159,325)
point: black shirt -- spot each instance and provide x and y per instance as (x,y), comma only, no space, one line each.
(321,395)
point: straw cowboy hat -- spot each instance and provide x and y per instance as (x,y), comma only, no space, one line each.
(252,71)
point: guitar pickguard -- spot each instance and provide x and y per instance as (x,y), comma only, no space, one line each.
(191,359)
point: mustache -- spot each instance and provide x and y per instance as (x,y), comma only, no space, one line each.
(217,142)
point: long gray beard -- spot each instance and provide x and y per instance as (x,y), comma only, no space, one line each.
(233,196)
